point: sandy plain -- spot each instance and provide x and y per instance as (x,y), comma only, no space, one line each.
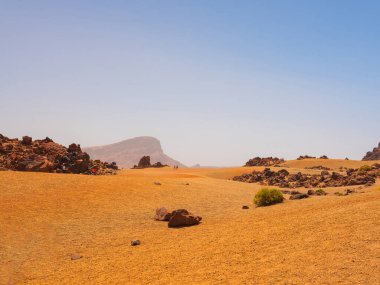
(44,218)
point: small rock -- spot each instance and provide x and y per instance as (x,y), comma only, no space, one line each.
(135,242)
(27,140)
(157,183)
(245,207)
(349,191)
(162,214)
(76,256)
(298,196)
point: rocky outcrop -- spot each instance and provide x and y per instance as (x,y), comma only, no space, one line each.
(127,153)
(301,157)
(284,179)
(373,155)
(47,156)
(145,163)
(265,161)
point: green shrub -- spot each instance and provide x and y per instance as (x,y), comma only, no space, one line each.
(267,197)
(365,168)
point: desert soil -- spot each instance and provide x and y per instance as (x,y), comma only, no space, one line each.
(45,218)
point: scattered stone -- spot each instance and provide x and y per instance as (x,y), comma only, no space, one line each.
(284,179)
(318,167)
(162,214)
(265,161)
(298,196)
(245,207)
(157,183)
(76,256)
(135,242)
(318,192)
(348,192)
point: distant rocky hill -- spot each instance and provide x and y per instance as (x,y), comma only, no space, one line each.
(127,153)
(373,155)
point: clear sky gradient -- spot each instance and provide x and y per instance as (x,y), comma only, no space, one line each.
(217,81)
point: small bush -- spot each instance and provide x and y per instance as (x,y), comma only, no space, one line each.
(365,168)
(267,197)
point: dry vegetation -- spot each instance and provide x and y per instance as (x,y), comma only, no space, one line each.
(45,218)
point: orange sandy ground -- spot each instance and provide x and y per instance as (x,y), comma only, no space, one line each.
(44,218)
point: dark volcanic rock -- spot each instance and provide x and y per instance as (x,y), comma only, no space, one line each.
(145,163)
(135,242)
(373,155)
(265,161)
(298,196)
(27,140)
(318,167)
(301,157)
(283,179)
(183,218)
(48,156)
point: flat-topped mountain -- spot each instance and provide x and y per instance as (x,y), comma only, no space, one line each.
(127,153)
(373,155)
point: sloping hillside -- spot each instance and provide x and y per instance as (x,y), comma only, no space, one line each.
(128,152)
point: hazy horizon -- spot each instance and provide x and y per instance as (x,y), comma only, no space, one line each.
(217,83)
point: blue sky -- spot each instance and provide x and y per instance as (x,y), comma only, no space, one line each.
(217,82)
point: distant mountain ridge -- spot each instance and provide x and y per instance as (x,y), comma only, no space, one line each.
(128,152)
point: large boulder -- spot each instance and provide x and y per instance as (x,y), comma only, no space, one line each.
(183,218)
